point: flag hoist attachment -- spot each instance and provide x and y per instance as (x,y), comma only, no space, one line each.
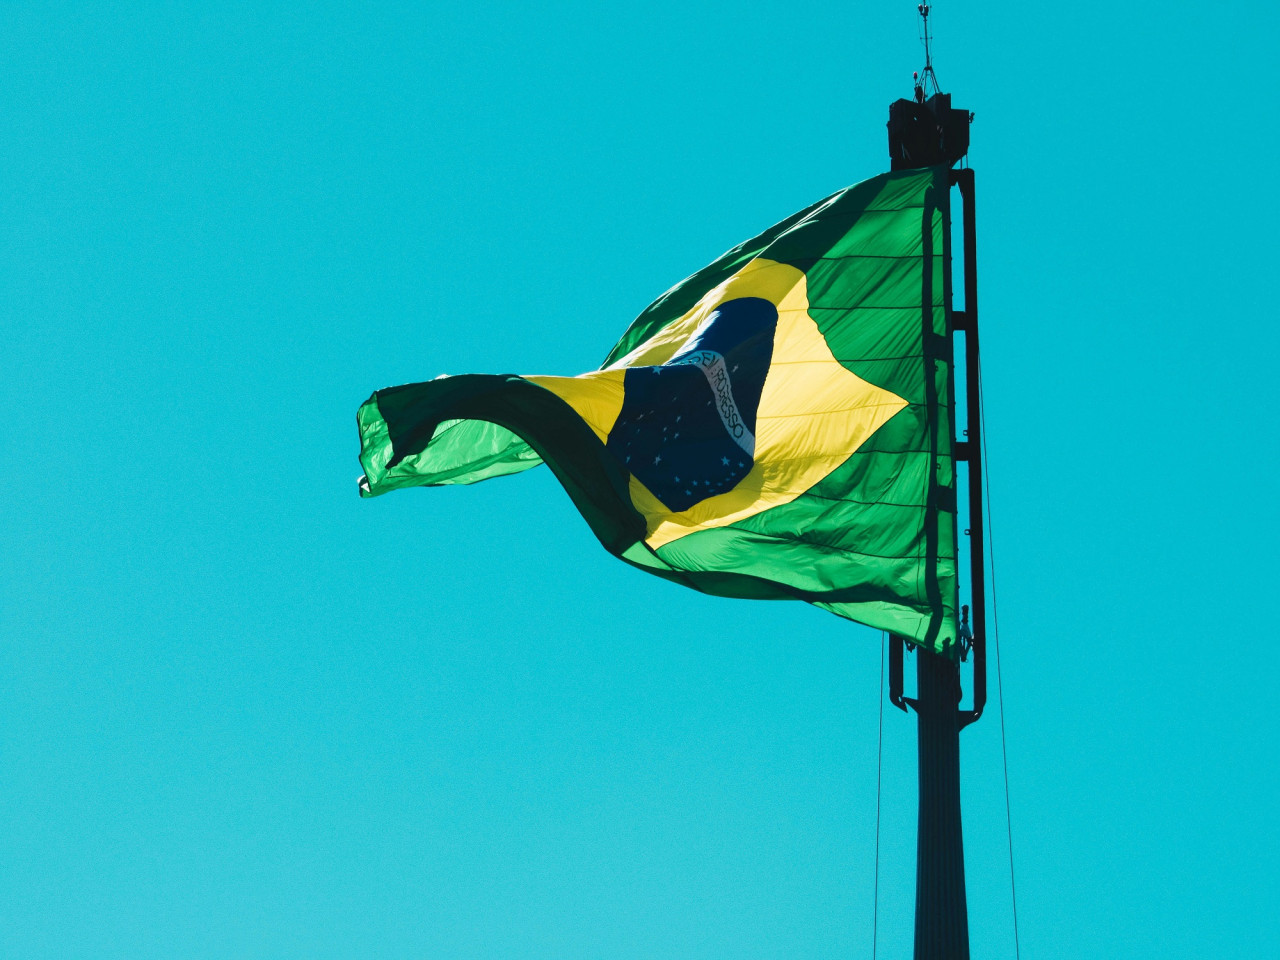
(972,631)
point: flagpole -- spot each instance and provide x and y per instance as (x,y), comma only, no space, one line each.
(927,131)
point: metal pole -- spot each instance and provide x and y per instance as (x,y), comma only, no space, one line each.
(942,915)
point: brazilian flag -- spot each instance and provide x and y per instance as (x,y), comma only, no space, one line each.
(777,426)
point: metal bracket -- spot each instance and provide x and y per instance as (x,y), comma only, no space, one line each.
(969,450)
(896,645)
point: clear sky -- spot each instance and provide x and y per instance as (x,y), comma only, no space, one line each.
(245,714)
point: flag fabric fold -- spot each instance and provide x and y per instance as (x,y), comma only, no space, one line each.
(776,426)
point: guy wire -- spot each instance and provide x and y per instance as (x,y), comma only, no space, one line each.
(995,635)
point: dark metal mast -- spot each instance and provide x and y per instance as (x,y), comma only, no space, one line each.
(926,131)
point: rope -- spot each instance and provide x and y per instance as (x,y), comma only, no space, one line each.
(875,909)
(995,634)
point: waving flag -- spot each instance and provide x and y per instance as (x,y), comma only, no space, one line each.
(776,426)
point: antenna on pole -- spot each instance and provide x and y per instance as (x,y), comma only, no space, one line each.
(926,75)
(927,131)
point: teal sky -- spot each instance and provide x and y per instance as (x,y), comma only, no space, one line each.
(245,714)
